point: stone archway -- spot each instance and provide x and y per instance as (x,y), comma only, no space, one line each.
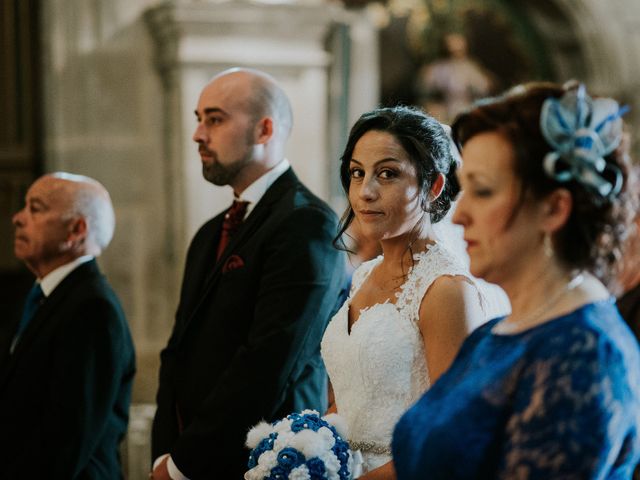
(595,42)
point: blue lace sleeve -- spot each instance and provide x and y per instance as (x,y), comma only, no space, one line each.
(568,418)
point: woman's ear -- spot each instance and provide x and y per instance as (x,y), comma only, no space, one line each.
(556,210)
(437,187)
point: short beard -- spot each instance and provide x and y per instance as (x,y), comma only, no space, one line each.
(221,175)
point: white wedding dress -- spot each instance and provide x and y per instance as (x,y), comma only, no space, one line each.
(378,370)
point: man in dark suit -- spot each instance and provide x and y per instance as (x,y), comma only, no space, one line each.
(260,284)
(66,372)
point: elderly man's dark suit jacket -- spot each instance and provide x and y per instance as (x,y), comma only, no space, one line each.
(246,343)
(65,390)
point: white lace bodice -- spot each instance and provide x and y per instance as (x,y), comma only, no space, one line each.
(379,369)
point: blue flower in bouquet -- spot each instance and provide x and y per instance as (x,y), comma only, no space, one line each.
(264,445)
(290,458)
(302,422)
(302,446)
(316,468)
(279,473)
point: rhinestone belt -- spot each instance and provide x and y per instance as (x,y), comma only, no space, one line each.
(370,447)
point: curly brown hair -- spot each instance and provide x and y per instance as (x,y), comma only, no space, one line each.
(594,234)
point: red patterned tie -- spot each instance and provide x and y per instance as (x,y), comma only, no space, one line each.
(232,221)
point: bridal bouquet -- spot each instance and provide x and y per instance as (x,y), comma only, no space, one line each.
(302,446)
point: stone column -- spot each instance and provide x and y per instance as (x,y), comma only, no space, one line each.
(194,41)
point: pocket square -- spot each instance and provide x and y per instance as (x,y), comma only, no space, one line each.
(232,263)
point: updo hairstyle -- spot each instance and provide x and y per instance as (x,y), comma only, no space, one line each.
(593,235)
(427,145)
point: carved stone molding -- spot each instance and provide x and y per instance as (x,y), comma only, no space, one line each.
(194,40)
(284,34)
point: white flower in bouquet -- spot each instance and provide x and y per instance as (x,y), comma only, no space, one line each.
(302,446)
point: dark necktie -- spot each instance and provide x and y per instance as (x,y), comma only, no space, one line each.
(232,221)
(31,304)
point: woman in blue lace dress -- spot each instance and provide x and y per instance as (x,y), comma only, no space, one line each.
(552,390)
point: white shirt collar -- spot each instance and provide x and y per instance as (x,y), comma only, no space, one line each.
(254,192)
(53,279)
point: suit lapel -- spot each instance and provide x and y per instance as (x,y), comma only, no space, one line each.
(202,265)
(262,210)
(42,316)
(256,218)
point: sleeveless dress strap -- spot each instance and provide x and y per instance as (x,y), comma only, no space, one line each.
(430,264)
(361,273)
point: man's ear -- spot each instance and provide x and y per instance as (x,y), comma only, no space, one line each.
(437,187)
(77,230)
(556,209)
(263,130)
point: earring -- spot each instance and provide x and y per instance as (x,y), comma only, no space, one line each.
(547,245)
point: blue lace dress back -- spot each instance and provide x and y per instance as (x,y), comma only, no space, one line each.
(560,400)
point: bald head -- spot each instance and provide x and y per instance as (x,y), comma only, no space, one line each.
(87,198)
(244,119)
(65,217)
(262,97)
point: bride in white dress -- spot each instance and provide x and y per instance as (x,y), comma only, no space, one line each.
(409,309)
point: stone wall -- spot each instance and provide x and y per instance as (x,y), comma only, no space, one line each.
(122,78)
